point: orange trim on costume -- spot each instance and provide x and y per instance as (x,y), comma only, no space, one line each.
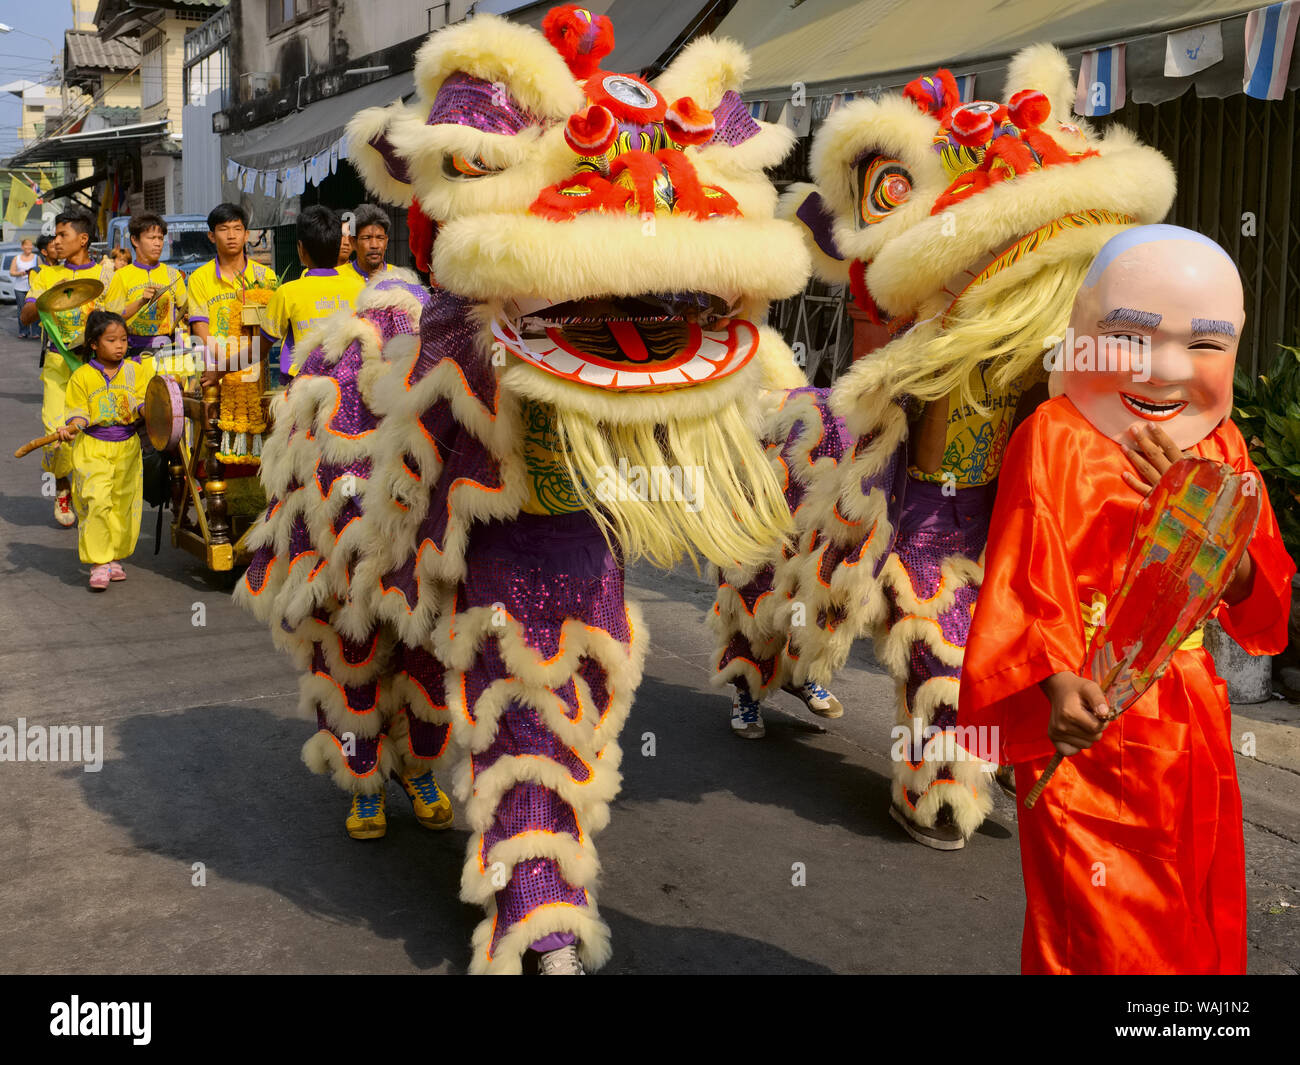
(299,558)
(446,739)
(266,579)
(379,747)
(359,713)
(529,916)
(464,381)
(929,621)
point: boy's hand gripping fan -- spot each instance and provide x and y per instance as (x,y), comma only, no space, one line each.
(1191,532)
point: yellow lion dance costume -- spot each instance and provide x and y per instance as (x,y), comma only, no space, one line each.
(966,228)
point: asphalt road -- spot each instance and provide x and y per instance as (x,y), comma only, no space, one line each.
(201,765)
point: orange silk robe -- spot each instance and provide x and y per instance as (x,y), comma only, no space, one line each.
(1132,858)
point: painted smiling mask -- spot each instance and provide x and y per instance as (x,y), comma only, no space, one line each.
(1154,330)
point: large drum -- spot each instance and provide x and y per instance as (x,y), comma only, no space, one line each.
(164,413)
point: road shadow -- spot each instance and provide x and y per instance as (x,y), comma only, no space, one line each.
(223,785)
(234,796)
(793,767)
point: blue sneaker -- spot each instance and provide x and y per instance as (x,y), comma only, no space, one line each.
(746,717)
(818,699)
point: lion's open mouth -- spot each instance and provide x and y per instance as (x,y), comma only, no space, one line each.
(657,341)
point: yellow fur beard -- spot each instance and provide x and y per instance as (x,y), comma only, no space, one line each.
(940,358)
(738,514)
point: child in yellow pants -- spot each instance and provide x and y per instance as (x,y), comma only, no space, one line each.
(104,398)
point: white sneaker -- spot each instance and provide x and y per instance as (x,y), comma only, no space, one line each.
(746,717)
(63,509)
(562,962)
(818,699)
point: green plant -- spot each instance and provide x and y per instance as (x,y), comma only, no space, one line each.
(1267,411)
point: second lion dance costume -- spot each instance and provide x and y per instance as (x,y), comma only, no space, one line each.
(966,229)
(443,548)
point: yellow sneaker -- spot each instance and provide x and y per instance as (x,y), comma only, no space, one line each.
(430,804)
(366,819)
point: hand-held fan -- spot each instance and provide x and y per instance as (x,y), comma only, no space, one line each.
(1191,533)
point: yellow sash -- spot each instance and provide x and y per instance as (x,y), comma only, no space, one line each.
(1195,639)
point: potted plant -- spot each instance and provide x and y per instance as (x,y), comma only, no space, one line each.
(1267,411)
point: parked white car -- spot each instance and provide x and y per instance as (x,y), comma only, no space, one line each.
(7,254)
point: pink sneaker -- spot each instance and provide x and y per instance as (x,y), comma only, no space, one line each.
(115,571)
(99,577)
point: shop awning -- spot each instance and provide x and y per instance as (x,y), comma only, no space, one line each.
(87,145)
(288,141)
(830,46)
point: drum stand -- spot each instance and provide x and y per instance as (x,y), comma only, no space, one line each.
(201,523)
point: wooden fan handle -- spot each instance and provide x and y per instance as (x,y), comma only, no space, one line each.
(1041,782)
(32,445)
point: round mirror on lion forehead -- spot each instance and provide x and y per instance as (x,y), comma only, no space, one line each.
(1153,335)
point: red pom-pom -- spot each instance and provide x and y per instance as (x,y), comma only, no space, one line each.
(1029,108)
(581,38)
(421,229)
(861,294)
(591,131)
(688,123)
(974,129)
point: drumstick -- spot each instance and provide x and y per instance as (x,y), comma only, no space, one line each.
(1038,787)
(157,296)
(32,445)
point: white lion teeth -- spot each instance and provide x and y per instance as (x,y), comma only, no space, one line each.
(563,361)
(713,346)
(667,377)
(698,369)
(596,375)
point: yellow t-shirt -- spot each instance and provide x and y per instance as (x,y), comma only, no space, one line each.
(298,305)
(164,316)
(101,401)
(72,323)
(214,296)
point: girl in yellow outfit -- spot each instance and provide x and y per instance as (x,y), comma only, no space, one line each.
(103,405)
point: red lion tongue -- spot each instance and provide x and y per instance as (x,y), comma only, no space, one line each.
(626,336)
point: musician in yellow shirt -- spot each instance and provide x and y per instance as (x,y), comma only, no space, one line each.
(104,398)
(73,232)
(148,294)
(322,290)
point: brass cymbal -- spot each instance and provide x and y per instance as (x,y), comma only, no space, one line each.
(66,295)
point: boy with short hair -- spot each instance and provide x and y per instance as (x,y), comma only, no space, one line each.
(147,293)
(320,292)
(216,289)
(74,230)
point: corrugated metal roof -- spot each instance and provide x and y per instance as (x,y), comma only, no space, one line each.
(86,49)
(838,42)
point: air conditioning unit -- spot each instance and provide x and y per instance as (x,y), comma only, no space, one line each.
(258,83)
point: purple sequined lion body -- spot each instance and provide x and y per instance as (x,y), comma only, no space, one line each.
(439,554)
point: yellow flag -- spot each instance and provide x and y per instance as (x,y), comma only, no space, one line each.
(21,201)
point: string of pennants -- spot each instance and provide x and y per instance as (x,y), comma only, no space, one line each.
(1270,39)
(291,179)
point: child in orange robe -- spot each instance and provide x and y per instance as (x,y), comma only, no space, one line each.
(1133,857)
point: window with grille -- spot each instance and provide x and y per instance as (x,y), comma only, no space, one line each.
(151,71)
(155,195)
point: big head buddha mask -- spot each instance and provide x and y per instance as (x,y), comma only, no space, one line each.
(1163,309)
